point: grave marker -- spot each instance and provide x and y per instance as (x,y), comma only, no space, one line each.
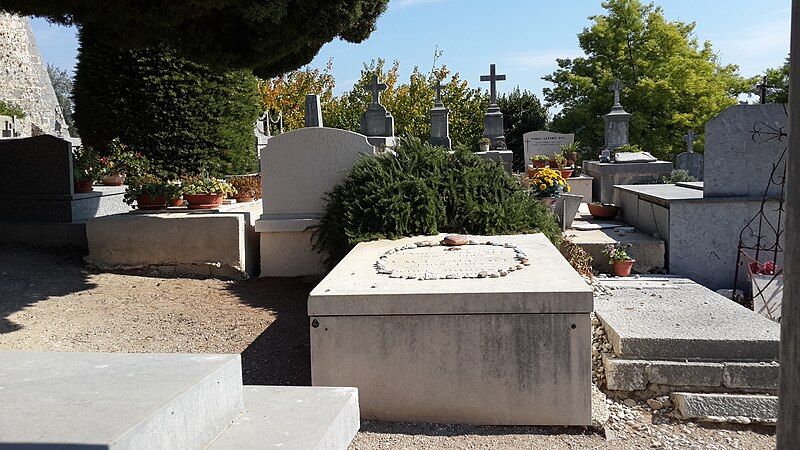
(440,125)
(544,143)
(313,117)
(689,160)
(617,121)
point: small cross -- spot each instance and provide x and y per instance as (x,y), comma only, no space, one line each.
(493,78)
(763,89)
(616,87)
(690,139)
(438,88)
(376,89)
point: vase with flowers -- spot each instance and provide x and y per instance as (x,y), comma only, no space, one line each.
(203,192)
(248,187)
(619,258)
(547,184)
(85,169)
(121,161)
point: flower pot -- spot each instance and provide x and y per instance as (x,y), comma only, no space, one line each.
(483,147)
(539,164)
(204,201)
(532,172)
(605,211)
(566,173)
(245,199)
(623,268)
(83,186)
(553,164)
(149,202)
(572,156)
(175,202)
(113,180)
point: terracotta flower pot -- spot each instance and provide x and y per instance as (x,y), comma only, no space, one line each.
(113,180)
(149,202)
(553,164)
(623,268)
(203,201)
(606,211)
(532,172)
(566,173)
(175,202)
(245,199)
(539,164)
(83,186)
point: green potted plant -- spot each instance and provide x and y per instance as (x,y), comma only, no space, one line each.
(570,151)
(248,187)
(539,161)
(562,163)
(147,191)
(483,144)
(547,185)
(120,162)
(85,168)
(203,192)
(619,258)
(603,211)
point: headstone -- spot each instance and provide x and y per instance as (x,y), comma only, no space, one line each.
(617,121)
(8,126)
(544,143)
(313,116)
(493,118)
(689,160)
(440,125)
(742,144)
(377,123)
(261,131)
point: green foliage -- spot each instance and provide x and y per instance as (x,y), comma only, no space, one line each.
(287,93)
(410,103)
(629,148)
(184,117)
(522,112)
(269,37)
(424,190)
(206,185)
(673,82)
(9,109)
(246,185)
(617,251)
(85,164)
(152,186)
(62,85)
(778,80)
(678,176)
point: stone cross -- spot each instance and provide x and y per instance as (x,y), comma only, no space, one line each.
(690,139)
(762,88)
(376,89)
(438,88)
(493,78)
(616,87)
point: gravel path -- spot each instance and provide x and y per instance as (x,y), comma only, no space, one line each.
(49,301)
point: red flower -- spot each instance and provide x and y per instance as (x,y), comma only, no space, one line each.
(104,160)
(139,155)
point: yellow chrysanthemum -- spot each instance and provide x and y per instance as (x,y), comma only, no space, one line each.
(568,188)
(542,187)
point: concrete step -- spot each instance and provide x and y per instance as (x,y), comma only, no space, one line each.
(726,407)
(117,400)
(293,418)
(638,374)
(675,319)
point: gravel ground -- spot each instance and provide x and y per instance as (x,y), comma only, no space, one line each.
(49,301)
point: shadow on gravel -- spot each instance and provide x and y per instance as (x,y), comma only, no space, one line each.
(443,429)
(280,355)
(30,274)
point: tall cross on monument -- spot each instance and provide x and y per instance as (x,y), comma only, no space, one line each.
(438,88)
(690,139)
(762,89)
(493,78)
(376,89)
(616,87)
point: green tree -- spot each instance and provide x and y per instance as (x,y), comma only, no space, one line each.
(522,112)
(287,93)
(778,82)
(673,82)
(184,116)
(62,85)
(10,109)
(269,37)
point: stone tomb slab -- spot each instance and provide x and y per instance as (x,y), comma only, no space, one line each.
(505,350)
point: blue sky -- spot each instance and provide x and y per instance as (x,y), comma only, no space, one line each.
(523,37)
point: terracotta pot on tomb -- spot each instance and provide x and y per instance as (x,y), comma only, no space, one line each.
(604,211)
(572,158)
(532,172)
(244,199)
(175,202)
(566,173)
(150,202)
(539,164)
(623,268)
(113,180)
(83,186)
(203,201)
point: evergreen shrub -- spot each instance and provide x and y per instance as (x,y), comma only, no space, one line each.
(425,190)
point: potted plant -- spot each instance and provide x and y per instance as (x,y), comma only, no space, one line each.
(570,151)
(619,258)
(85,165)
(248,187)
(561,162)
(147,191)
(547,185)
(206,192)
(603,211)
(483,144)
(120,162)
(539,161)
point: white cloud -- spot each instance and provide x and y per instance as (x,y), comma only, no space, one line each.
(540,60)
(402,4)
(754,48)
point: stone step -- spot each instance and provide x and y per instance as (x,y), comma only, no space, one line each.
(648,251)
(637,374)
(295,417)
(117,400)
(726,407)
(668,318)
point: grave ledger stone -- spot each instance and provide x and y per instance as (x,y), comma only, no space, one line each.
(423,340)
(440,124)
(689,160)
(377,123)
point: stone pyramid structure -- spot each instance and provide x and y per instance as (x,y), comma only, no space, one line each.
(24,80)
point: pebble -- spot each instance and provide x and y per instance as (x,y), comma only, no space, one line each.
(503,273)
(455,239)
(630,402)
(494,275)
(483,274)
(654,404)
